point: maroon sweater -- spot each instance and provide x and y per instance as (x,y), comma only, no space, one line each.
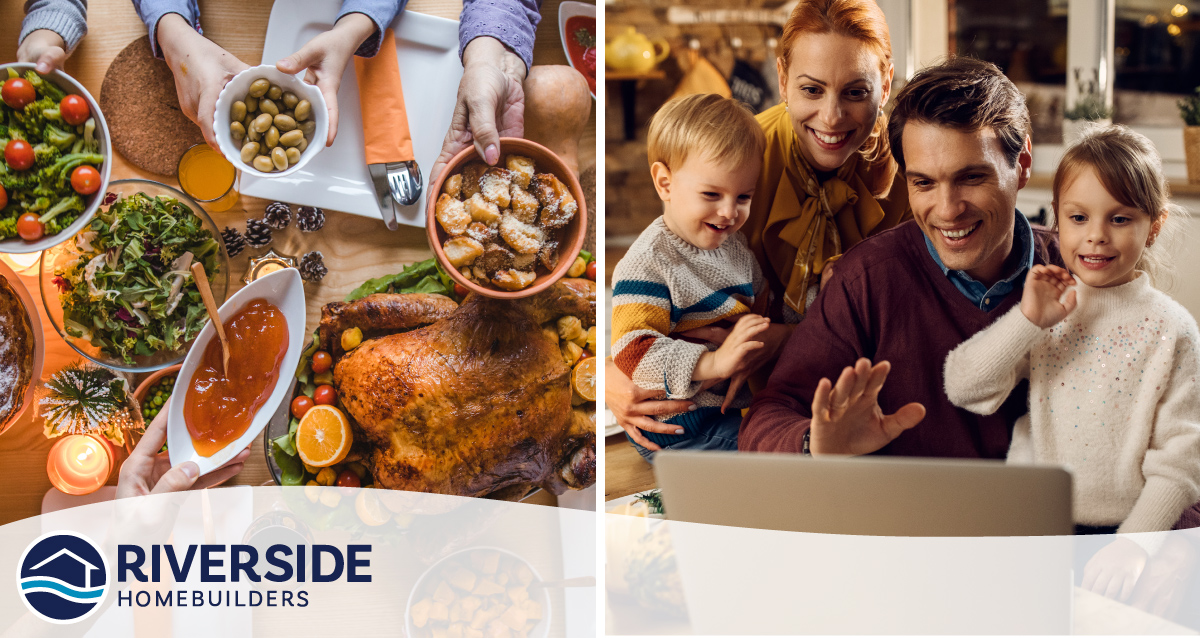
(887,300)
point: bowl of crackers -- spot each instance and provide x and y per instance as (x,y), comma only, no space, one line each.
(269,123)
(511,230)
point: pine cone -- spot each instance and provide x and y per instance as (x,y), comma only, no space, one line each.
(258,234)
(312,267)
(278,215)
(310,219)
(235,242)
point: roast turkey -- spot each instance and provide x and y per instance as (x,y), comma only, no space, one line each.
(477,403)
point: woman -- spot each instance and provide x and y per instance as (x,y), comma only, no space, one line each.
(827,171)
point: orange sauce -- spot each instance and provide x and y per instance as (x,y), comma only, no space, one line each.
(219,409)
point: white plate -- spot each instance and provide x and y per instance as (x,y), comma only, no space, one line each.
(542,596)
(39,340)
(567,10)
(71,87)
(338,179)
(283,289)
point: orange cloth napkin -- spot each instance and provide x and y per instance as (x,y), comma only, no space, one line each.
(381,98)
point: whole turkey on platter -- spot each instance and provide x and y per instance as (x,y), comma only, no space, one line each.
(477,403)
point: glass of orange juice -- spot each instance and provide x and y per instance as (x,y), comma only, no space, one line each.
(207,177)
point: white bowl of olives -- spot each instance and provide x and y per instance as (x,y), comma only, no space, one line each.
(269,123)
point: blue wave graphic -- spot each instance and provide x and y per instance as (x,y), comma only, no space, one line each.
(63,590)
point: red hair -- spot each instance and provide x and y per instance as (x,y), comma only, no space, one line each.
(861,20)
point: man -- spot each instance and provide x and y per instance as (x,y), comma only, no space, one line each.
(907,297)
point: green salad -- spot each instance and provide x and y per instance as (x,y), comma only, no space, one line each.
(40,175)
(130,292)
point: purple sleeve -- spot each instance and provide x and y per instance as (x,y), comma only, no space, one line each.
(381,12)
(512,22)
(151,11)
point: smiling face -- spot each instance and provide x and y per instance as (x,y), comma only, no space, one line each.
(963,194)
(1101,239)
(834,88)
(705,201)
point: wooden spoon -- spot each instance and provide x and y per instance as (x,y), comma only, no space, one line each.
(210,304)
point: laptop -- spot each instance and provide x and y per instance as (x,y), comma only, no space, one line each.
(888,545)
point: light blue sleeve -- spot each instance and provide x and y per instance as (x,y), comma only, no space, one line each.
(67,18)
(381,12)
(512,22)
(151,11)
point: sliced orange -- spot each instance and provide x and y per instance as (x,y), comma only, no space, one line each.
(323,437)
(370,510)
(583,379)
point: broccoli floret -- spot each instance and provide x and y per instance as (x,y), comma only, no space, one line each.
(23,181)
(45,155)
(35,113)
(39,204)
(74,202)
(45,88)
(58,137)
(8,228)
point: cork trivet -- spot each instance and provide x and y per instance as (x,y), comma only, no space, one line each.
(587,181)
(142,109)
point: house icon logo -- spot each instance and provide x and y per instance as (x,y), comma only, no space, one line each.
(63,577)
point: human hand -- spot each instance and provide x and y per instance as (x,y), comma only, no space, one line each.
(1044,285)
(1164,582)
(731,357)
(772,339)
(201,70)
(490,103)
(847,418)
(1114,570)
(148,471)
(325,57)
(45,48)
(633,407)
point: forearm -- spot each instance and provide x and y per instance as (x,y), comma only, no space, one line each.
(655,362)
(178,41)
(379,13)
(510,22)
(491,52)
(981,372)
(154,12)
(67,18)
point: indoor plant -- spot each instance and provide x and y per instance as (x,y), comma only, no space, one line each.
(1189,110)
(1090,106)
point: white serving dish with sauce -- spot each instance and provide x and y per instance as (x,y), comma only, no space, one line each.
(285,290)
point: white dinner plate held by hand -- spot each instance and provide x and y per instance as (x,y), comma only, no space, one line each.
(285,291)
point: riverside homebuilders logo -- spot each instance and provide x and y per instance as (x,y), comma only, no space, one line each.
(62,577)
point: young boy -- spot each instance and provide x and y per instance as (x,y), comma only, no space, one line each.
(690,269)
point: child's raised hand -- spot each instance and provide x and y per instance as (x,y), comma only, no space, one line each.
(1114,570)
(1044,286)
(732,357)
(45,48)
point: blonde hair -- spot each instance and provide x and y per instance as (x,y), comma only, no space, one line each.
(719,127)
(1130,169)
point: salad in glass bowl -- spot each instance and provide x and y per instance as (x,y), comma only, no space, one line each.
(121,292)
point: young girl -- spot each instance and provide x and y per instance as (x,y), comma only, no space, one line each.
(1112,362)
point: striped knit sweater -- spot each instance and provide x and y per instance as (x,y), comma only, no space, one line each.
(664,286)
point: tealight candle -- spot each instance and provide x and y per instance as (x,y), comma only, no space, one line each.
(79,464)
(271,262)
(23,263)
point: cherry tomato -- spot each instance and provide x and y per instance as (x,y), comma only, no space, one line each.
(325,395)
(321,362)
(585,354)
(74,110)
(300,405)
(29,227)
(460,290)
(85,180)
(18,155)
(3,197)
(591,270)
(18,92)
(348,479)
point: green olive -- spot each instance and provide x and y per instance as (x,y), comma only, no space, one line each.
(291,138)
(249,151)
(293,155)
(285,123)
(264,164)
(259,87)
(267,106)
(290,100)
(274,92)
(303,110)
(272,137)
(302,145)
(252,134)
(251,104)
(279,158)
(263,122)
(238,131)
(237,112)
(309,128)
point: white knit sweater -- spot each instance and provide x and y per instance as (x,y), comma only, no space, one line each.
(1113,396)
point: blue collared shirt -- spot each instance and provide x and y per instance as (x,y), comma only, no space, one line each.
(987,298)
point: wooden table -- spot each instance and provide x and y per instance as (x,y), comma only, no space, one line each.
(625,471)
(355,248)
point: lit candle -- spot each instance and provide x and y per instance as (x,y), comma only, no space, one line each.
(79,464)
(22,263)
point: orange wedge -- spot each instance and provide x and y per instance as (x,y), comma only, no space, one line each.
(323,437)
(583,379)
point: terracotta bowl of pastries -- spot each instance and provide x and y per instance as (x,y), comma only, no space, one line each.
(511,230)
